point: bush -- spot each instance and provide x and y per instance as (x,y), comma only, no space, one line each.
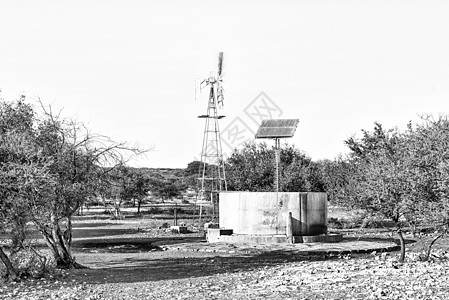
(171,211)
(30,263)
(335,223)
(359,221)
(155,210)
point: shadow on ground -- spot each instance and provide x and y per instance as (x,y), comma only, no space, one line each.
(377,239)
(93,225)
(135,269)
(84,230)
(101,232)
(127,266)
(131,245)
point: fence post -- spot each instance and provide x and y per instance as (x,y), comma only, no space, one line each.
(176,214)
(290,237)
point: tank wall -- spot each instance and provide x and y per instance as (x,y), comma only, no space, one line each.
(314,214)
(262,213)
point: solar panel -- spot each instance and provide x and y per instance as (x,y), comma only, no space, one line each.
(277,128)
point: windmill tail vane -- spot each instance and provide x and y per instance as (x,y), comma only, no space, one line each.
(215,81)
(220,96)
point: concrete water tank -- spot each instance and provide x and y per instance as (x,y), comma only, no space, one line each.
(264,213)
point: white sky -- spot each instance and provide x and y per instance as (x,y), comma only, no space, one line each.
(128,68)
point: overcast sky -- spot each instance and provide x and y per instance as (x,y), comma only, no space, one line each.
(128,68)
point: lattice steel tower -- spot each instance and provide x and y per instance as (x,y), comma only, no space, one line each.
(212,178)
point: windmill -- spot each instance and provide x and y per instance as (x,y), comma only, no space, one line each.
(212,176)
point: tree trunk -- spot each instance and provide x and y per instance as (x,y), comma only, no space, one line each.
(10,271)
(68,232)
(139,202)
(176,214)
(402,243)
(429,248)
(59,242)
(18,235)
(64,259)
(117,212)
(51,245)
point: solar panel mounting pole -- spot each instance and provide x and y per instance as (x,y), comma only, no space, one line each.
(277,129)
(277,154)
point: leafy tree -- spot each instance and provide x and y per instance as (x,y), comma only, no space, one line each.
(337,177)
(193,168)
(382,182)
(403,176)
(23,174)
(139,188)
(165,189)
(194,171)
(298,172)
(131,185)
(428,162)
(57,164)
(78,161)
(252,168)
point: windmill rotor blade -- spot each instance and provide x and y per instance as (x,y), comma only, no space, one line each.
(203,84)
(220,63)
(220,94)
(197,88)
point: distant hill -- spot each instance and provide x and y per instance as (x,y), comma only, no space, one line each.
(162,173)
(188,177)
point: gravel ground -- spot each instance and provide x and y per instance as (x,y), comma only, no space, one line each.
(119,269)
(168,275)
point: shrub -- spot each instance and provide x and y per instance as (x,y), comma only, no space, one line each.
(155,210)
(171,211)
(30,263)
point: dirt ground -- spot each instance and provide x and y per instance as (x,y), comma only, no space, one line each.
(124,261)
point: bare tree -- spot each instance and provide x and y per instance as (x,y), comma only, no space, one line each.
(80,160)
